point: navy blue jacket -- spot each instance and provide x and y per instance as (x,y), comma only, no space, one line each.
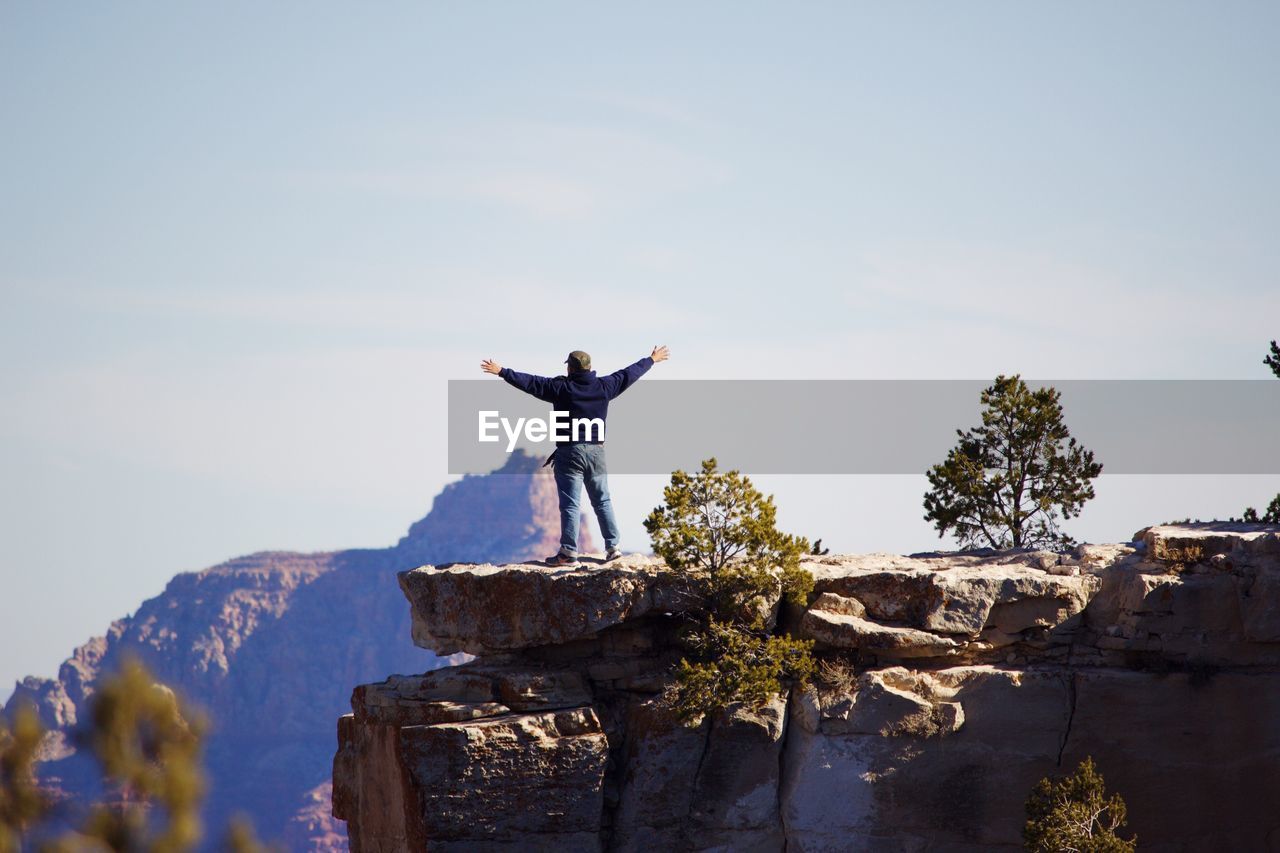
(582,394)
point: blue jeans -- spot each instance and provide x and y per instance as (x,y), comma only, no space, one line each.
(576,464)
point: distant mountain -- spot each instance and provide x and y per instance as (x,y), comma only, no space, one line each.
(270,646)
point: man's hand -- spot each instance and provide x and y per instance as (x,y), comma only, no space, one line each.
(491,366)
(659,354)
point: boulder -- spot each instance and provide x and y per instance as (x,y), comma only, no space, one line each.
(891,703)
(486,609)
(837,630)
(956,595)
(1194,543)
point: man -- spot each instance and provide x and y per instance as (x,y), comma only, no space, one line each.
(580,458)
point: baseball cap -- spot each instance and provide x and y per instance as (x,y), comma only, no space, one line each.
(578,360)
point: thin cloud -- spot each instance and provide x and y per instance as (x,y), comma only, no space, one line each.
(451,297)
(546,170)
(1068,300)
(663,109)
(542,195)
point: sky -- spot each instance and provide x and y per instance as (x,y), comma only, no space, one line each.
(244,247)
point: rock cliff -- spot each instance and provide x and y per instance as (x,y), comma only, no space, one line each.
(269,644)
(952,683)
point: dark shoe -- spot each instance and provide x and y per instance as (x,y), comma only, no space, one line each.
(562,559)
(612,554)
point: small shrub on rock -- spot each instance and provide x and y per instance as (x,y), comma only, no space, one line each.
(717,533)
(1076,814)
(1271,515)
(733,665)
(837,676)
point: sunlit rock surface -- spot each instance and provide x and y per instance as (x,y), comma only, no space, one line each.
(953,683)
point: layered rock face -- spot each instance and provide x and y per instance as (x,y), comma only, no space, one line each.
(268,645)
(951,684)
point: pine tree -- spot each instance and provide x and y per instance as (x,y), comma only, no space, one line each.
(718,535)
(1272,513)
(1075,814)
(1006,482)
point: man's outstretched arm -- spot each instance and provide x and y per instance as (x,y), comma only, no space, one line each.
(619,381)
(538,386)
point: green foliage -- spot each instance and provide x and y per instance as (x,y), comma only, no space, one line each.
(240,837)
(21,802)
(148,747)
(1006,482)
(1075,814)
(719,530)
(718,534)
(733,665)
(1271,515)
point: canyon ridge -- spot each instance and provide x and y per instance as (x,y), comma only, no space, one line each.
(954,682)
(269,645)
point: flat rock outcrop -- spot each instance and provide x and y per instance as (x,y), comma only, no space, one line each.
(950,684)
(481,609)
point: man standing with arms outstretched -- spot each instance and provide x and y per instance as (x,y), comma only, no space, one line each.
(580,459)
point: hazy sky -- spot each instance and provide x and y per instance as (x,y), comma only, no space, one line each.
(242,248)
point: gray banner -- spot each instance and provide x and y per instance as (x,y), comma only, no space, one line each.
(883,426)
